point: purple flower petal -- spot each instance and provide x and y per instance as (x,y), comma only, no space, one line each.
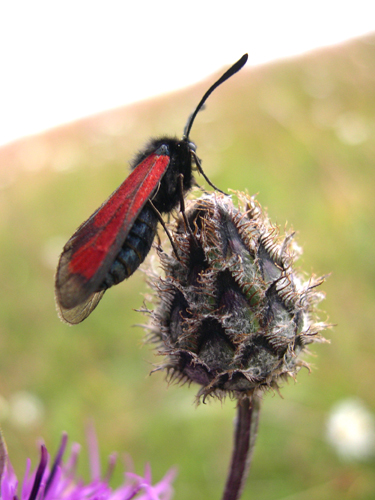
(59,481)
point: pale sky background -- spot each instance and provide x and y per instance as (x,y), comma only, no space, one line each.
(63,60)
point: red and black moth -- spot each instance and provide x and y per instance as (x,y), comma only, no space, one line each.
(114,241)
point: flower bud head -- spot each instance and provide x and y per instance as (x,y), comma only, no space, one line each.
(232,314)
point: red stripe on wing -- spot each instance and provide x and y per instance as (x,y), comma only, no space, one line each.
(96,238)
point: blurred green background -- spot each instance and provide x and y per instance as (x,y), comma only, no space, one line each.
(301,134)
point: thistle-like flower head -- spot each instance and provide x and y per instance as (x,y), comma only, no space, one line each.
(233,315)
(58,480)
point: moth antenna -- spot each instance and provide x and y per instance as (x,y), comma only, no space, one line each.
(230,72)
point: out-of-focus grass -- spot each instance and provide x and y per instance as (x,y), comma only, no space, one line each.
(301,133)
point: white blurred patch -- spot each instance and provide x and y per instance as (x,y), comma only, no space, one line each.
(25,410)
(67,157)
(351,128)
(351,430)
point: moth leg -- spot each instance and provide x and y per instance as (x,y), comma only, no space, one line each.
(159,216)
(182,209)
